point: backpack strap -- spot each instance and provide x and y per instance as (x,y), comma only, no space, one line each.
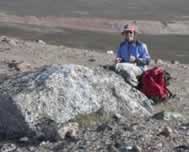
(171,95)
(138,43)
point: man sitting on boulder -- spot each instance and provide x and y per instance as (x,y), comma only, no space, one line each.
(132,56)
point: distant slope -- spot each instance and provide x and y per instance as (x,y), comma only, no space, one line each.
(135,9)
(167,47)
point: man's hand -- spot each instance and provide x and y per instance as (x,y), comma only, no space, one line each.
(132,59)
(141,61)
(117,60)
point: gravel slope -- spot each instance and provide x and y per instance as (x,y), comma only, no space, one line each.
(117,135)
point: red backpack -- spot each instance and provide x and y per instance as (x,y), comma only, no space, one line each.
(154,85)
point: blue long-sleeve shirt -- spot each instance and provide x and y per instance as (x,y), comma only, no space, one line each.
(137,49)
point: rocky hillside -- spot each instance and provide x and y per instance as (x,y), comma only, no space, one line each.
(55,98)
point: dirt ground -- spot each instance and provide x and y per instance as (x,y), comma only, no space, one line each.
(166,47)
(85,37)
(146,135)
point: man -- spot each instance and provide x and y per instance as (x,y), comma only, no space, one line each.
(132,56)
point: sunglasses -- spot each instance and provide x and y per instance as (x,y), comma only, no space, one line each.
(129,32)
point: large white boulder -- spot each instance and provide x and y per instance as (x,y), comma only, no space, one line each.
(61,92)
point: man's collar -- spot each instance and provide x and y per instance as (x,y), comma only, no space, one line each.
(130,42)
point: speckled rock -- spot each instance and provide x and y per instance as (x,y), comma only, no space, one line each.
(42,100)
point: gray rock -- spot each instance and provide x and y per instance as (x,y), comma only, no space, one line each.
(182,148)
(8,148)
(166,131)
(70,130)
(128,148)
(7,40)
(19,66)
(159,61)
(41,101)
(41,42)
(165,115)
(175,62)
(152,62)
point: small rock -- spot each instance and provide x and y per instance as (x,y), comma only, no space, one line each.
(8,148)
(110,52)
(69,130)
(4,39)
(184,129)
(92,60)
(103,127)
(152,62)
(41,42)
(111,148)
(13,42)
(159,61)
(20,66)
(23,67)
(159,145)
(128,148)
(136,148)
(168,116)
(167,132)
(117,116)
(134,126)
(182,148)
(11,64)
(32,148)
(8,40)
(24,139)
(175,62)
(44,143)
(148,104)
(184,126)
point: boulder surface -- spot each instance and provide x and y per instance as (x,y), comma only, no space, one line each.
(41,101)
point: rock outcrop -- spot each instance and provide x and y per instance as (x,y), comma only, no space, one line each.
(40,102)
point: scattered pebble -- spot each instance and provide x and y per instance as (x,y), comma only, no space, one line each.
(69,130)
(92,60)
(8,148)
(20,66)
(159,61)
(110,52)
(166,131)
(175,62)
(7,40)
(41,42)
(24,139)
(165,115)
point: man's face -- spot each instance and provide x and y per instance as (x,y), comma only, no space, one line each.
(129,35)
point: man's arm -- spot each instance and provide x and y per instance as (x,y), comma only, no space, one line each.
(144,58)
(118,55)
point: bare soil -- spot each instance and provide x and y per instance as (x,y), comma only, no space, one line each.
(140,134)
